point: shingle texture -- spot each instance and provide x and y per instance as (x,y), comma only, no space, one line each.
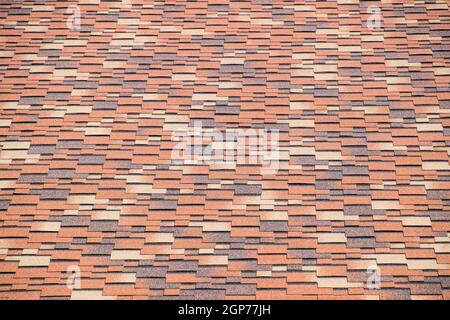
(93,204)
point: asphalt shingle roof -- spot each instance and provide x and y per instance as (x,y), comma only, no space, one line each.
(93,203)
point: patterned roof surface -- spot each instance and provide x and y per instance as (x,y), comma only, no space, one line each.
(94,203)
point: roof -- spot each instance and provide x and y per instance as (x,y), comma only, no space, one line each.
(106,193)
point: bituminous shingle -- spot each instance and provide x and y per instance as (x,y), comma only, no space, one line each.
(89,179)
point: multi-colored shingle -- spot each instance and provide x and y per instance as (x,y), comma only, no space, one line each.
(93,203)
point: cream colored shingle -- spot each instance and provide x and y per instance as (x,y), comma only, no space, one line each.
(328,155)
(385,205)
(34,261)
(331,237)
(213,226)
(126,255)
(435,165)
(88,295)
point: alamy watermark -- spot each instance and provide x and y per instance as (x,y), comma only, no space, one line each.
(199,145)
(74,20)
(374,277)
(374,20)
(74,278)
